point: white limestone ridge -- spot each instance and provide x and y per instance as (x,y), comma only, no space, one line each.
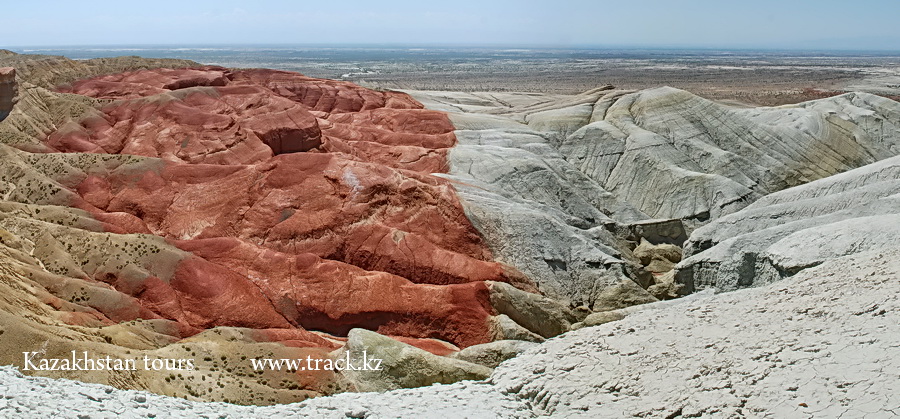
(564,187)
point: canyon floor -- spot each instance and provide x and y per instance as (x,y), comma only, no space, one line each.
(612,252)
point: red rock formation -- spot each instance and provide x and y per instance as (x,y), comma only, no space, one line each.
(332,296)
(138,84)
(224,125)
(304,203)
(7,90)
(164,113)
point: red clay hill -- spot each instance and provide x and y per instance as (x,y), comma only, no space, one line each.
(303,204)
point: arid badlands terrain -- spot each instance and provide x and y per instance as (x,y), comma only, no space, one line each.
(611,253)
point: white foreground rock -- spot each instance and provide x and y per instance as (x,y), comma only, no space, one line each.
(822,344)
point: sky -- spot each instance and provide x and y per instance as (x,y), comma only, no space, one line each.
(782,24)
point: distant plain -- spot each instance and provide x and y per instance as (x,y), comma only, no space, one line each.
(740,77)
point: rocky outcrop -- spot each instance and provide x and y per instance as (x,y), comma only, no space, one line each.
(505,328)
(624,294)
(785,232)
(542,316)
(493,353)
(603,317)
(7,91)
(400,365)
(819,344)
(658,259)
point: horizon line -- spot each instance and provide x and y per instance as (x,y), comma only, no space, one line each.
(440,45)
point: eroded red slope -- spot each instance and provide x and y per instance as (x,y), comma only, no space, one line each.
(305,203)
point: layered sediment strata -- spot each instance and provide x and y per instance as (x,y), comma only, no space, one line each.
(565,188)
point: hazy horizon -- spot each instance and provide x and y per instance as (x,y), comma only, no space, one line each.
(824,25)
(611,50)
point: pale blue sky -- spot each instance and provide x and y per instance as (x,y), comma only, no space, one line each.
(814,24)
